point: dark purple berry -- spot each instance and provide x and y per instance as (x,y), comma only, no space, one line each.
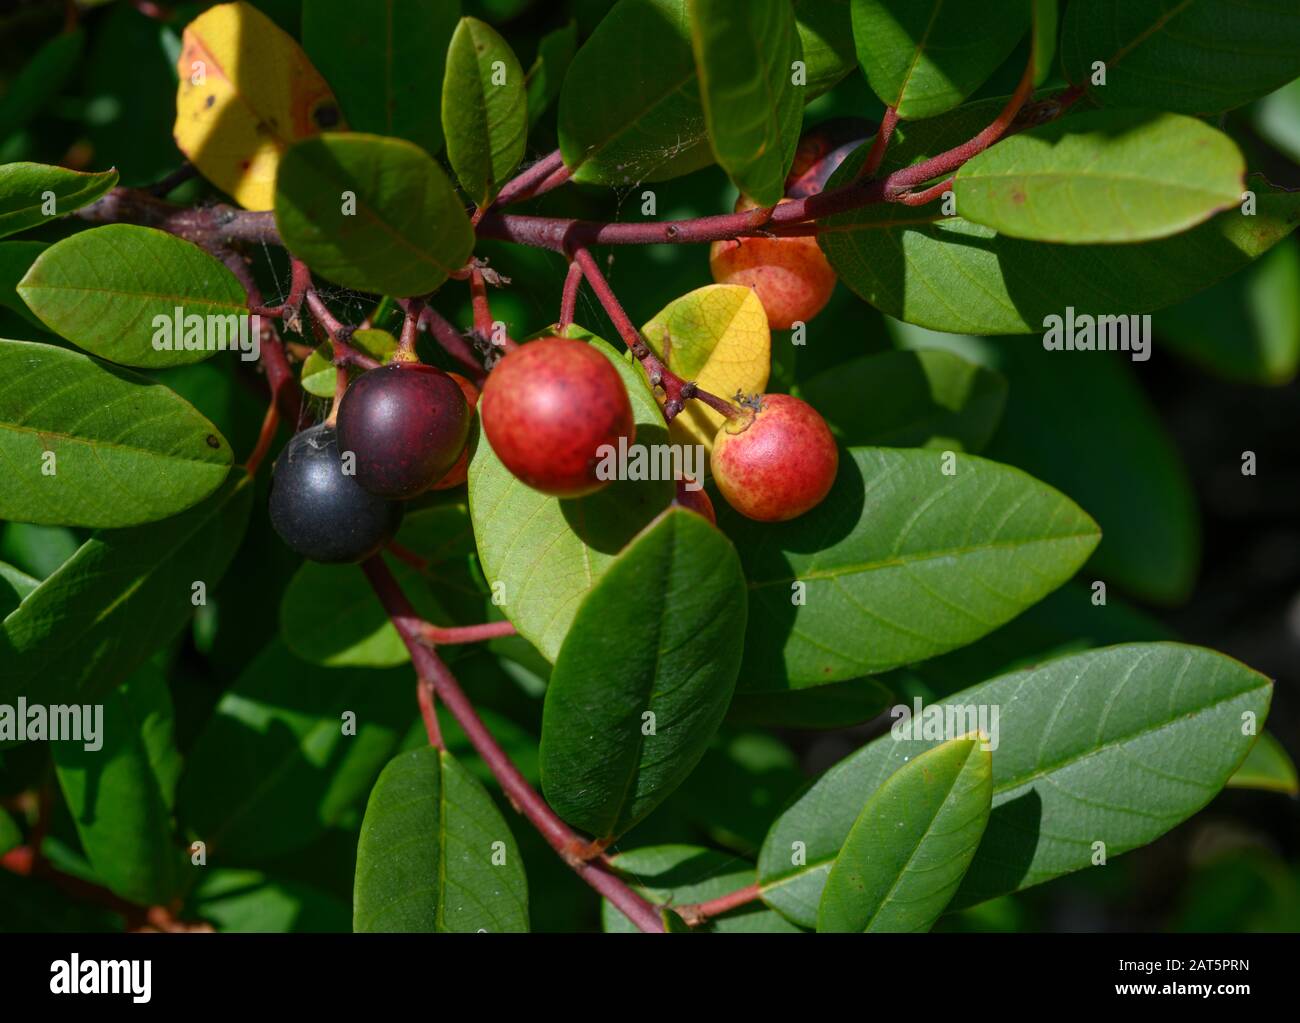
(406,423)
(320,512)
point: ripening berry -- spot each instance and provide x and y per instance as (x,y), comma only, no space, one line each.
(821,151)
(778,462)
(406,423)
(790,276)
(319,511)
(457,473)
(547,409)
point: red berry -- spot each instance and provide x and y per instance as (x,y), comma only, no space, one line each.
(548,407)
(457,473)
(776,464)
(406,423)
(790,276)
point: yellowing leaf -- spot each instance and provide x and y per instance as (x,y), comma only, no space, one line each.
(718,337)
(247,92)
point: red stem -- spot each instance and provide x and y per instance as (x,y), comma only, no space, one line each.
(926,195)
(440,635)
(877,153)
(522,796)
(531,182)
(698,912)
(945,163)
(676,390)
(265,438)
(569,297)
(280,377)
(453,344)
(484,325)
(410,326)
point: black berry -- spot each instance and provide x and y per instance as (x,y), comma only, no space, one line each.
(319,511)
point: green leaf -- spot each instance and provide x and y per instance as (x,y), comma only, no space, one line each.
(1277,119)
(40,80)
(683,875)
(1113,746)
(542,553)
(120,794)
(1195,57)
(383,61)
(115,291)
(952,275)
(744,57)
(15,585)
(900,562)
(1246,329)
(1065,622)
(1046,14)
(826,38)
(16,258)
(1103,176)
(371,213)
(88,444)
(24,188)
(554,55)
(928,399)
(924,57)
(630,108)
(1122,467)
(329,616)
(1267,766)
(124,594)
(838,705)
(250,902)
(645,675)
(435,854)
(484,109)
(911,845)
(292,744)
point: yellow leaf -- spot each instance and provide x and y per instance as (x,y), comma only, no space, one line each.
(247,92)
(718,337)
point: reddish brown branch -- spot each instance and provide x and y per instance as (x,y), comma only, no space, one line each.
(523,797)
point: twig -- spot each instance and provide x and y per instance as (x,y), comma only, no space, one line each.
(569,297)
(523,797)
(440,635)
(698,912)
(925,195)
(877,152)
(534,181)
(453,344)
(676,390)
